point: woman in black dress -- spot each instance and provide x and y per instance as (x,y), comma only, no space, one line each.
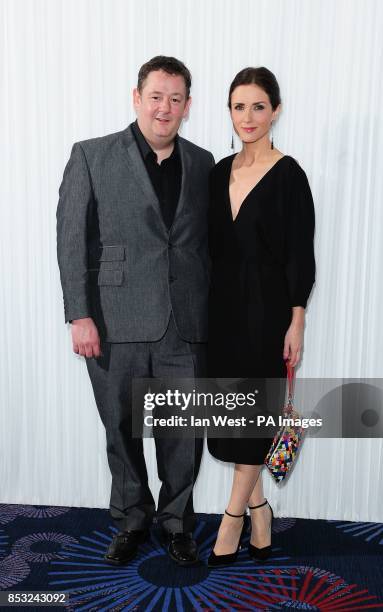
(263,269)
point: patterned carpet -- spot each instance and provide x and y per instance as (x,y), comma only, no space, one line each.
(316,565)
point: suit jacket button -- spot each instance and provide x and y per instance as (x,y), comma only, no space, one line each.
(172,279)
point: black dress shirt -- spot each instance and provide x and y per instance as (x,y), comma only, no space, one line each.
(165,177)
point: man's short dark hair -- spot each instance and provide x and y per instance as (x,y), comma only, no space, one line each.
(171,65)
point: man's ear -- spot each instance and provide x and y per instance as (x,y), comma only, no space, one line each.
(136,97)
(187,107)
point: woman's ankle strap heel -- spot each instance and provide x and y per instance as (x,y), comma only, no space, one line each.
(261,554)
(220,560)
(235,515)
(259,505)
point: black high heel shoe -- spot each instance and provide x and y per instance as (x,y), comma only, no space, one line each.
(261,554)
(221,560)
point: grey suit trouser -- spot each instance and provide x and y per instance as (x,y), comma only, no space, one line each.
(131,503)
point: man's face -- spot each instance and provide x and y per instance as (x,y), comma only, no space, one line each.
(160,107)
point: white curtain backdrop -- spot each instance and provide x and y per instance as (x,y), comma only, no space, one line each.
(67,71)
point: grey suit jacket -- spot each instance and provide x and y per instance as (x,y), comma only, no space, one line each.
(119,264)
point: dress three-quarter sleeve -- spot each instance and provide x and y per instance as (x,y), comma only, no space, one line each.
(300,225)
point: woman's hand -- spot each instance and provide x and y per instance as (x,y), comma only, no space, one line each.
(294,337)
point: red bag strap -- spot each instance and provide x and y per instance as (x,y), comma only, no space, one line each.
(291,379)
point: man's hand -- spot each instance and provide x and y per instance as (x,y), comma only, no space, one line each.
(85,338)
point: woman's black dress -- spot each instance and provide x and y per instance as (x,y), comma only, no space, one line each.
(262,265)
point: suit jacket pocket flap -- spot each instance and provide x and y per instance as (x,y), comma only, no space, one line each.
(110,277)
(112,253)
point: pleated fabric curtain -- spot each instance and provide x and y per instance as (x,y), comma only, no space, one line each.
(67,71)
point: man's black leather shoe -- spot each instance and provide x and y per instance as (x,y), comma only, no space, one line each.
(124,546)
(182,548)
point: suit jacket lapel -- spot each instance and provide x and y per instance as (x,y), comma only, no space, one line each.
(186,162)
(137,167)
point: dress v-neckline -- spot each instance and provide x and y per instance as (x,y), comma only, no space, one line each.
(251,190)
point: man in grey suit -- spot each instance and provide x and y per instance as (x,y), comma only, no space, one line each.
(132,252)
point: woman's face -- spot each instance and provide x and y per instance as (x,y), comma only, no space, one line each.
(251,112)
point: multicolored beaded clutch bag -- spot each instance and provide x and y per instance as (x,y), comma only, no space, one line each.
(287,440)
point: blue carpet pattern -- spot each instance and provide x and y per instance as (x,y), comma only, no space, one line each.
(315,565)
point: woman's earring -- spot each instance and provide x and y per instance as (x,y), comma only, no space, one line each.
(272,137)
(232,141)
